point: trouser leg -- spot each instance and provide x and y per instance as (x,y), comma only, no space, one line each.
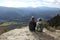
(41,29)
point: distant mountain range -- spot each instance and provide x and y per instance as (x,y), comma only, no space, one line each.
(46,13)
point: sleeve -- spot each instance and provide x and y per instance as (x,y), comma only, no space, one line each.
(35,24)
(29,23)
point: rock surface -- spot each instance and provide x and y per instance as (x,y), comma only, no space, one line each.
(24,34)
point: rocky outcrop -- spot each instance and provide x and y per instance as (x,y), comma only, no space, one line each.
(24,34)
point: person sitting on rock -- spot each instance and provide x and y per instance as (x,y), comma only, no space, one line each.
(39,25)
(32,24)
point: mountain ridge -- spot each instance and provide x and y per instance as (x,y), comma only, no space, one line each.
(44,12)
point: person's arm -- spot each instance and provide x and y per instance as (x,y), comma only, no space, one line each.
(35,24)
(29,24)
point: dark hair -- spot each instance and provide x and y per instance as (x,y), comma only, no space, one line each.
(32,18)
(40,19)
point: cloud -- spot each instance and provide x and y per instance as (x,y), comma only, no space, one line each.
(49,0)
(20,4)
(54,5)
(14,4)
(30,3)
(35,4)
(58,0)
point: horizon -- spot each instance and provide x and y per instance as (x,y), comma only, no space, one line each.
(30,3)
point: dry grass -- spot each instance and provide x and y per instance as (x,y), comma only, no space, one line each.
(7,23)
(51,29)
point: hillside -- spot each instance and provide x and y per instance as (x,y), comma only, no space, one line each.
(55,21)
(11,14)
(25,34)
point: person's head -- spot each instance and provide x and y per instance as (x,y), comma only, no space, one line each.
(32,19)
(39,19)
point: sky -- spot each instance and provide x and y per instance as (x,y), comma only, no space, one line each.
(30,3)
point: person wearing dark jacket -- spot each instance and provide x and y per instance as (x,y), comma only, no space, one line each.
(32,24)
